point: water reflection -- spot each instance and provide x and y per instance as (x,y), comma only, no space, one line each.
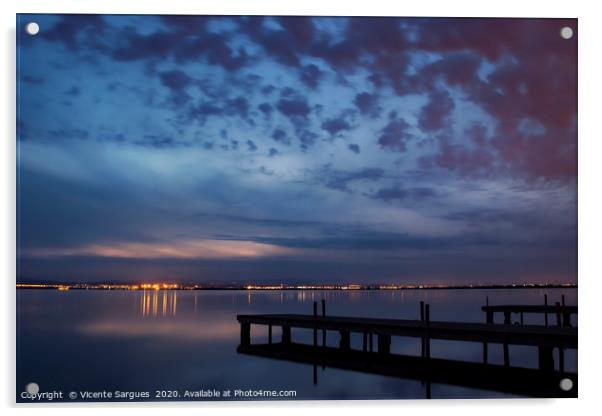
(151,301)
(141,343)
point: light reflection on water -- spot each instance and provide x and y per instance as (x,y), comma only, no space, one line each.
(164,300)
(137,340)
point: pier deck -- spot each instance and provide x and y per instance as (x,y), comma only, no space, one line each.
(534,335)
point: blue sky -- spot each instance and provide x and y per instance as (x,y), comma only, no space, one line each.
(296,149)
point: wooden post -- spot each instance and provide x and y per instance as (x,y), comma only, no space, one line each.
(245,333)
(562,297)
(558,322)
(507,318)
(422,337)
(561,359)
(315,324)
(489,320)
(545,302)
(371,342)
(506,355)
(384,343)
(365,342)
(269,333)
(323,316)
(345,342)
(521,319)
(427,341)
(286,334)
(546,358)
(566,318)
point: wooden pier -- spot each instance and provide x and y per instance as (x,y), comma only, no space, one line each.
(562,312)
(545,338)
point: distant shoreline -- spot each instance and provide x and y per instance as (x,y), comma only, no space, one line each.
(134,287)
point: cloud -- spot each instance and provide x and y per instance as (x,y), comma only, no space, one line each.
(310,75)
(335,126)
(293,105)
(280,136)
(395,135)
(340,180)
(175,80)
(434,115)
(181,249)
(355,148)
(398,193)
(368,104)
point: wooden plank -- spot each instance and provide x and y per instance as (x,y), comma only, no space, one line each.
(529,308)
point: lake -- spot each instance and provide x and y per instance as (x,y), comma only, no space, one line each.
(180,340)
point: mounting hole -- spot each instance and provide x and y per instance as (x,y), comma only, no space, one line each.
(566,384)
(566,32)
(32,28)
(32,388)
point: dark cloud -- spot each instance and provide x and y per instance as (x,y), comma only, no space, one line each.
(335,125)
(271,222)
(475,158)
(238,106)
(435,113)
(394,136)
(368,104)
(251,145)
(266,109)
(340,180)
(399,193)
(175,80)
(355,148)
(310,75)
(280,136)
(293,105)
(73,91)
(77,31)
(361,239)
(286,45)
(204,110)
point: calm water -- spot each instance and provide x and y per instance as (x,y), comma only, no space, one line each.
(186,340)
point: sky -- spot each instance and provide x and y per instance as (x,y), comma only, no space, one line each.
(233,149)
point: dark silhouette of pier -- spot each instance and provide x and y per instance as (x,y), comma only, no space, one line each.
(543,381)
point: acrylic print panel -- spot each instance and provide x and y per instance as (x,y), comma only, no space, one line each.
(291,208)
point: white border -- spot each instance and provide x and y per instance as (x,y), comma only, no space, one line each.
(590,209)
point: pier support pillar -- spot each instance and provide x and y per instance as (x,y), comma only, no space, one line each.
(546,359)
(269,333)
(489,317)
(566,318)
(507,319)
(245,334)
(384,344)
(345,342)
(286,334)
